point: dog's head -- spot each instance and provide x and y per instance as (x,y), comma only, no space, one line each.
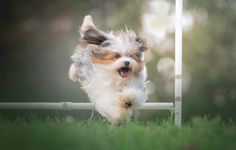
(121,53)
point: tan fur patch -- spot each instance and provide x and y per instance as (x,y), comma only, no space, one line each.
(104,58)
(136,57)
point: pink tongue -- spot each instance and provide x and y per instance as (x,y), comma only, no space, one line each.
(124,74)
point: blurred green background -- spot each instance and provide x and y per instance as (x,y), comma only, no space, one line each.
(37,39)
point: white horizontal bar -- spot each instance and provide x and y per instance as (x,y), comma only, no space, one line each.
(156,106)
(75,106)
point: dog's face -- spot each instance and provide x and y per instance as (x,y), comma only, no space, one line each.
(121,53)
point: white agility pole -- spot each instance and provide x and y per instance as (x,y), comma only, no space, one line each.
(76,106)
(178,62)
(176,106)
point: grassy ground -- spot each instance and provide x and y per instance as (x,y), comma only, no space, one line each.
(68,134)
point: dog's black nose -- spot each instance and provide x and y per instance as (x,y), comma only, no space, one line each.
(127,63)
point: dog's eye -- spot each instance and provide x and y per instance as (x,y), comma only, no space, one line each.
(136,57)
(117,56)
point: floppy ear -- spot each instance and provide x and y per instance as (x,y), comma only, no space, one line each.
(142,44)
(87,24)
(89,33)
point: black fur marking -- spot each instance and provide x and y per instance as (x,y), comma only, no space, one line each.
(92,36)
(143,43)
(105,44)
(128,104)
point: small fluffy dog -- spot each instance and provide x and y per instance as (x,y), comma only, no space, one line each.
(111,69)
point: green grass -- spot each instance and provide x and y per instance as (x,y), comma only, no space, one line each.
(69,134)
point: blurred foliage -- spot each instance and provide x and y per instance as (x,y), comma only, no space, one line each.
(210,57)
(38,37)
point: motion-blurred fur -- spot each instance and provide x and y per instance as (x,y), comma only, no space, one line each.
(111,69)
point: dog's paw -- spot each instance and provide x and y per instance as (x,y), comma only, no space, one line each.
(73,73)
(131,97)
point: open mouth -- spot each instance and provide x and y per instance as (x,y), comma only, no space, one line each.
(124,72)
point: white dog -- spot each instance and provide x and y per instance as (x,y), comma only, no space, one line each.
(111,69)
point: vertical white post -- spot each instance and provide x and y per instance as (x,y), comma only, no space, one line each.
(178,62)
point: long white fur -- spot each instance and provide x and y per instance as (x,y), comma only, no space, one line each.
(101,81)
